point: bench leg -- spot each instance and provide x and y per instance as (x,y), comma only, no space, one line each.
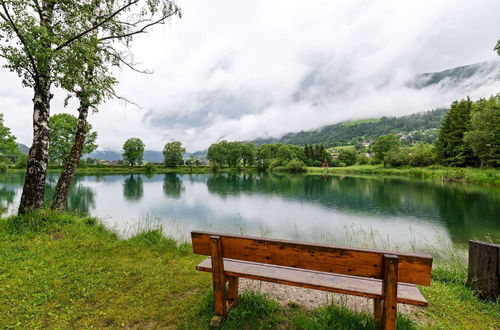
(377,310)
(232,292)
(390,292)
(219,281)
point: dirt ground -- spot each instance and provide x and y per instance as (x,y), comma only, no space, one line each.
(310,298)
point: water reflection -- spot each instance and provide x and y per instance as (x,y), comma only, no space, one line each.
(133,189)
(172,185)
(342,210)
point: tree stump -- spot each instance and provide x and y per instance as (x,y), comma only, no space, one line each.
(484,269)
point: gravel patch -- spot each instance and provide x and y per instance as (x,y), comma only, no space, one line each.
(309,298)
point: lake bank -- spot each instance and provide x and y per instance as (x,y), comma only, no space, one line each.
(477,176)
(60,270)
(333,209)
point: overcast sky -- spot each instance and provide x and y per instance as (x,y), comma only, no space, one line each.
(238,70)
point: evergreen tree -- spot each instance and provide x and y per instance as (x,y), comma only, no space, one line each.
(484,136)
(450,145)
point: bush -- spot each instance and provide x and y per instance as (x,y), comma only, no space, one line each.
(296,166)
(348,156)
(3,168)
(215,167)
(363,159)
(275,163)
(317,163)
(149,168)
(397,157)
(422,155)
(280,169)
(22,161)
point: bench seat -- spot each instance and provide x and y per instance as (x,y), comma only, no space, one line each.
(346,284)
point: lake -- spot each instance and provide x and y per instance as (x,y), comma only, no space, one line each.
(355,211)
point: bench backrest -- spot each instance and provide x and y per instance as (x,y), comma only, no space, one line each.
(412,268)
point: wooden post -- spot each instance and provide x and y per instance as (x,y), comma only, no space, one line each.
(390,292)
(377,310)
(232,291)
(219,281)
(484,269)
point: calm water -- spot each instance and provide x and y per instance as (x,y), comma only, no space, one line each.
(379,212)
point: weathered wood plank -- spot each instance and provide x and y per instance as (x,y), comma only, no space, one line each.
(413,268)
(218,279)
(484,269)
(377,310)
(232,290)
(346,284)
(390,292)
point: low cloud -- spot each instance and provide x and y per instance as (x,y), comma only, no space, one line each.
(239,71)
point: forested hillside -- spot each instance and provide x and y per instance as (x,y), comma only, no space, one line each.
(415,127)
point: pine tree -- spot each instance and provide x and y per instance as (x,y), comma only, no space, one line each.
(451,147)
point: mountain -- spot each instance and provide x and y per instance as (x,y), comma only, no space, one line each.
(416,127)
(111,155)
(24,149)
(468,77)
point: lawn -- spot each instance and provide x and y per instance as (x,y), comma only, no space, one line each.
(58,270)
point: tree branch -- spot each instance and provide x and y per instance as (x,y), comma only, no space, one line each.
(6,17)
(123,98)
(141,30)
(129,65)
(96,26)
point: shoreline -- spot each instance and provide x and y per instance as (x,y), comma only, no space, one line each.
(471,176)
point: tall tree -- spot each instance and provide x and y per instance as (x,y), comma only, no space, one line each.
(484,136)
(383,145)
(8,146)
(450,145)
(133,151)
(62,136)
(45,42)
(497,47)
(248,152)
(173,154)
(97,84)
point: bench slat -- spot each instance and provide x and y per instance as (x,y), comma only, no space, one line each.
(412,268)
(346,284)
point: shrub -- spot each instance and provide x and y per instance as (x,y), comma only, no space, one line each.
(22,161)
(397,157)
(348,156)
(422,155)
(363,159)
(280,169)
(296,166)
(215,167)
(317,163)
(149,168)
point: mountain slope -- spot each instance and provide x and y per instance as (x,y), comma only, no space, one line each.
(416,127)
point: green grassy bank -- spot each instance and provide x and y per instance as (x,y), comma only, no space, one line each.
(485,177)
(140,169)
(62,271)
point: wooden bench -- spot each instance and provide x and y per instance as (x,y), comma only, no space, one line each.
(386,277)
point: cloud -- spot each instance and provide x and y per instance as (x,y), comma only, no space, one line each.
(240,70)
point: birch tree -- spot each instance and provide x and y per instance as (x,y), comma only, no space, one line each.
(51,43)
(111,43)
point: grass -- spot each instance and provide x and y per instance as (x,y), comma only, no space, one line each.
(485,177)
(125,169)
(58,270)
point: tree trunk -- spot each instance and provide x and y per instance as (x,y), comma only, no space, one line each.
(71,163)
(34,182)
(484,269)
